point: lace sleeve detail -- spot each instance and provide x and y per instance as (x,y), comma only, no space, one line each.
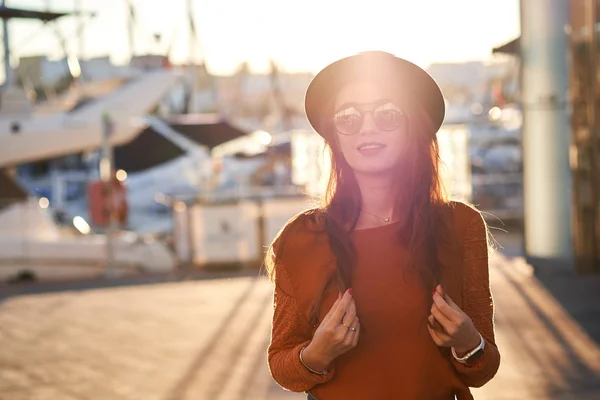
(290,333)
(478,304)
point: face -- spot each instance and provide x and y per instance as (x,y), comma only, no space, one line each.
(371,128)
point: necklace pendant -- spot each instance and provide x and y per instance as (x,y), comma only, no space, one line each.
(386,219)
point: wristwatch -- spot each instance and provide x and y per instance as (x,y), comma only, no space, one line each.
(472,355)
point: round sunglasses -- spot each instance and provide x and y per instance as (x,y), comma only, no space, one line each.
(350,117)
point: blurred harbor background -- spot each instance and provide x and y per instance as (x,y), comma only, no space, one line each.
(150,151)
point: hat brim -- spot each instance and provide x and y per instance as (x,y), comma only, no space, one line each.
(413,83)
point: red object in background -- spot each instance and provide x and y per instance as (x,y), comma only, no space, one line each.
(97,200)
(498,93)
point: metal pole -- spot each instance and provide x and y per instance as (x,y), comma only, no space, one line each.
(8,72)
(107,178)
(546,133)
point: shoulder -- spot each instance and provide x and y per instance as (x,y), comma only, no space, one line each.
(303,257)
(306,222)
(299,233)
(467,221)
(463,211)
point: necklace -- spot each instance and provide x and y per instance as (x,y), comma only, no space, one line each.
(377,216)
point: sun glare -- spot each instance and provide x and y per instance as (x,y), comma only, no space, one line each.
(300,36)
(306,36)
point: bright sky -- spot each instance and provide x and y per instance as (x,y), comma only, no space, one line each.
(299,35)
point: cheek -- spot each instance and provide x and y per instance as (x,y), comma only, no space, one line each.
(347,144)
(399,141)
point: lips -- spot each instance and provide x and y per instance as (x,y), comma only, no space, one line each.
(370,146)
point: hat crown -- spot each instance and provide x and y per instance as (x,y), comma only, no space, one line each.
(408,77)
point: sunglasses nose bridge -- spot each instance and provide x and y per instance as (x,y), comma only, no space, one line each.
(368,123)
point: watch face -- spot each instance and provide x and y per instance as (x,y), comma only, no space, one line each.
(475,355)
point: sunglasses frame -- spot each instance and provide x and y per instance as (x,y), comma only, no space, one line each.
(365,108)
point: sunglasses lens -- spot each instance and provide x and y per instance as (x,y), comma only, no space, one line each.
(348,124)
(388,120)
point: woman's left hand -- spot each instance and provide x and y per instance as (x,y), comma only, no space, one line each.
(449,326)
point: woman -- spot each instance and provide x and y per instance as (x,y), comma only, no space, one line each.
(383,291)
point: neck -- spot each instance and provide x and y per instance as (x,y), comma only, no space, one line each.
(379,198)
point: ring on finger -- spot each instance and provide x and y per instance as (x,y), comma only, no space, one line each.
(349,327)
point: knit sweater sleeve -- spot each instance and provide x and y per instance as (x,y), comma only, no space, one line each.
(478,305)
(290,333)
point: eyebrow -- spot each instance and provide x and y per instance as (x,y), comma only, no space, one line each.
(357,105)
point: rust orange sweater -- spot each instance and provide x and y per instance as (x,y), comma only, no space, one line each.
(395,357)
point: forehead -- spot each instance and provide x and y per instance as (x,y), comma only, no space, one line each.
(363,92)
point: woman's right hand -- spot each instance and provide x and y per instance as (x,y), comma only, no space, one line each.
(337,334)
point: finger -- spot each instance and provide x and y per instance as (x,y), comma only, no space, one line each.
(350,315)
(441,338)
(333,308)
(351,332)
(435,325)
(444,307)
(435,337)
(341,308)
(447,298)
(440,289)
(432,322)
(439,330)
(445,323)
(356,335)
(451,302)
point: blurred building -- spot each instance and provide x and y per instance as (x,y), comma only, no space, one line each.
(476,82)
(584,151)
(585,121)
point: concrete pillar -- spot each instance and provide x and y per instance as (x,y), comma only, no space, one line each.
(546,132)
(8,82)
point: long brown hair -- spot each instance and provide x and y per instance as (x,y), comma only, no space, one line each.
(424,201)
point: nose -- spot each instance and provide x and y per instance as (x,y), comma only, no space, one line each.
(368,125)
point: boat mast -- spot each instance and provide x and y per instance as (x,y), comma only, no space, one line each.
(198,64)
(131,26)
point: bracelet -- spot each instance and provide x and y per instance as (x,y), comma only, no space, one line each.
(464,359)
(309,368)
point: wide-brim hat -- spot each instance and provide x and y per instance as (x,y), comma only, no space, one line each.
(413,83)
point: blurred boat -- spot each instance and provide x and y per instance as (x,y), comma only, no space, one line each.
(32,241)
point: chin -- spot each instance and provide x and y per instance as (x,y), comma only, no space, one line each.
(373,168)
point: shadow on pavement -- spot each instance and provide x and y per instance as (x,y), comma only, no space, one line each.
(573,369)
(579,297)
(8,290)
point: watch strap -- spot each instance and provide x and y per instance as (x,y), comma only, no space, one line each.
(471,355)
